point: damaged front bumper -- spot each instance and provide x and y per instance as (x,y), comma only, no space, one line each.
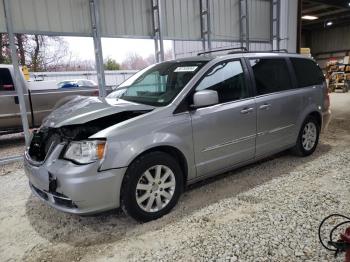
(72,188)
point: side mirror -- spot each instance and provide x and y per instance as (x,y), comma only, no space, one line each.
(205,98)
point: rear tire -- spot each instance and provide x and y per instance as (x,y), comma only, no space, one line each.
(308,137)
(152,186)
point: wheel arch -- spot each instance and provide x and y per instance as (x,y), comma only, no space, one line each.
(317,115)
(172,151)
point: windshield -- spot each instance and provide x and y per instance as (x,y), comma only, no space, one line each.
(159,84)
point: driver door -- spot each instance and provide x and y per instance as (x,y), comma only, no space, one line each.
(224,134)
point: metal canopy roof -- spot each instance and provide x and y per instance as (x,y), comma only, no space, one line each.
(337,11)
(133,18)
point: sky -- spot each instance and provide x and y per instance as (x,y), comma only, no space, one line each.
(82,48)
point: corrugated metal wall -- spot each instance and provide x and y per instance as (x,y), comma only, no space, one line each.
(225,19)
(260,27)
(2,18)
(329,40)
(61,16)
(259,12)
(288,25)
(133,18)
(191,48)
(182,19)
(126,18)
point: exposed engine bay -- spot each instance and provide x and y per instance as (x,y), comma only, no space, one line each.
(46,138)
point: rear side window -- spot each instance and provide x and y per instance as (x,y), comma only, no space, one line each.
(271,75)
(307,72)
(226,78)
(6,83)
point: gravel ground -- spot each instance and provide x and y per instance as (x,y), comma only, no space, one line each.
(11,145)
(268,211)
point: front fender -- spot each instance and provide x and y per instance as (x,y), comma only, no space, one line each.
(125,147)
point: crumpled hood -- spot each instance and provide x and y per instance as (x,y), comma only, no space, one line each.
(82,109)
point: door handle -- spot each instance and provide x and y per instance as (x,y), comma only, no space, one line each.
(247,110)
(16,100)
(265,106)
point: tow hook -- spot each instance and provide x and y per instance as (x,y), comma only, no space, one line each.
(343,243)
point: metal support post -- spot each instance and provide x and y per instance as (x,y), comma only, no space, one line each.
(96,34)
(205,24)
(19,85)
(276,13)
(247,40)
(157,22)
(208,25)
(160,29)
(203,31)
(244,24)
(241,27)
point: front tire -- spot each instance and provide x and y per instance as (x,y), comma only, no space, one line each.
(152,186)
(308,137)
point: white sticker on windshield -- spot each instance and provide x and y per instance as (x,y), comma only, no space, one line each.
(186,69)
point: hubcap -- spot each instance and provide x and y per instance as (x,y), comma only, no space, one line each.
(155,188)
(309,136)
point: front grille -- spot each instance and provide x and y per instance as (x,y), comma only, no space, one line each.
(43,140)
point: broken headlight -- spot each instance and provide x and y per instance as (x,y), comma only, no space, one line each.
(85,152)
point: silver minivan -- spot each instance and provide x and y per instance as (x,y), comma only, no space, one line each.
(172,124)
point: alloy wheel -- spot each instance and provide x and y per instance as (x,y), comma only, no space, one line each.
(309,136)
(155,188)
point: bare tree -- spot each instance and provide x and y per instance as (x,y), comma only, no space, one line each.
(168,55)
(38,52)
(34,54)
(134,61)
(21,41)
(46,52)
(1,48)
(4,49)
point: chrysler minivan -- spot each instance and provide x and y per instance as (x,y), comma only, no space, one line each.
(172,124)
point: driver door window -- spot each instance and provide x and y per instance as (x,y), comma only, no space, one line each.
(227,78)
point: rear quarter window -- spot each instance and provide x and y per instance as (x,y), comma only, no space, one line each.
(307,72)
(6,82)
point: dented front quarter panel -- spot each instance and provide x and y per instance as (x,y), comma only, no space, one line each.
(127,140)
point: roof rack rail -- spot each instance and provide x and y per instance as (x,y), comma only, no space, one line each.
(279,50)
(223,49)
